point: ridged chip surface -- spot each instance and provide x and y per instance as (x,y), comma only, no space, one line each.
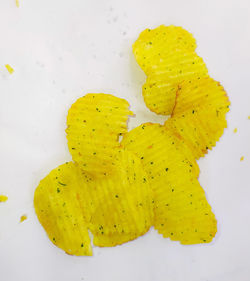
(119,205)
(181,211)
(199,116)
(59,205)
(167,56)
(94,124)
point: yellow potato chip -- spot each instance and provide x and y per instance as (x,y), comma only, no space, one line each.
(167,55)
(59,205)
(95,123)
(153,45)
(181,211)
(160,89)
(119,205)
(199,116)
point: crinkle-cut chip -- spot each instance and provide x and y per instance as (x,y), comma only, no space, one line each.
(59,207)
(162,84)
(95,123)
(181,211)
(154,45)
(199,116)
(120,203)
(159,132)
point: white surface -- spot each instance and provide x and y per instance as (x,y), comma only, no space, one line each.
(61,50)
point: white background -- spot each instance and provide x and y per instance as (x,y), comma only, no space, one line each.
(62,49)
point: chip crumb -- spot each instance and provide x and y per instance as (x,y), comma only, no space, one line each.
(23,218)
(3,198)
(235,130)
(17,3)
(9,68)
(241,158)
(248,117)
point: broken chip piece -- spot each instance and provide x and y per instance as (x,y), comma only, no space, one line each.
(94,124)
(181,211)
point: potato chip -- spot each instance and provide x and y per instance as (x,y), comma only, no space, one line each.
(160,89)
(167,55)
(59,206)
(119,205)
(199,116)
(181,211)
(95,123)
(153,45)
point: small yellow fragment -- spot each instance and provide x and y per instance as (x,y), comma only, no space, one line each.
(248,117)
(235,130)
(23,218)
(17,3)
(241,158)
(3,198)
(9,68)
